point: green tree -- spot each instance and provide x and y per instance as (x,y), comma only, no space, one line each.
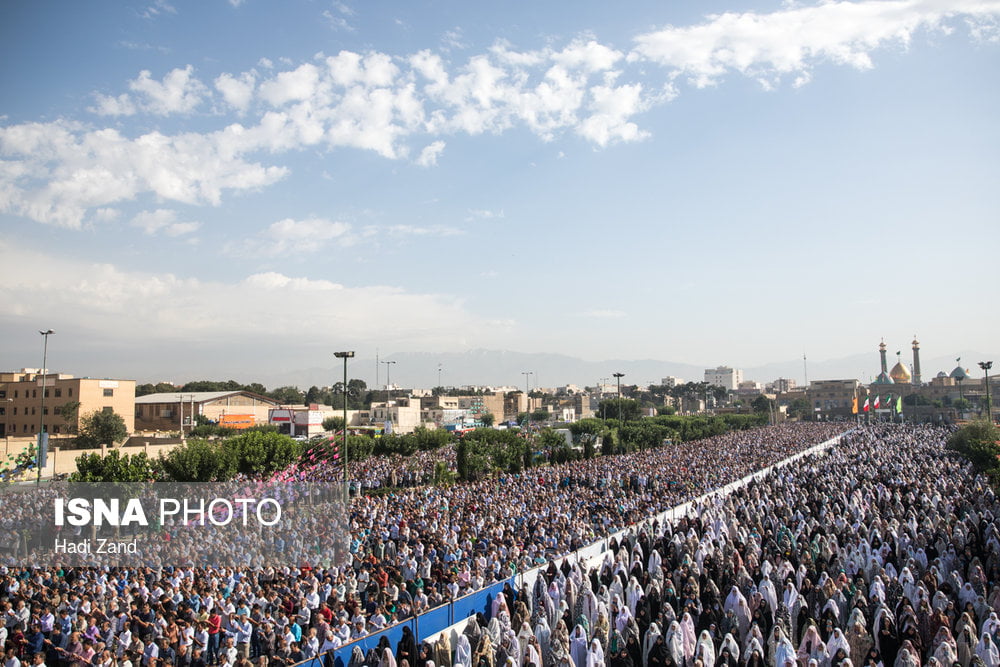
(978,442)
(630,408)
(101,428)
(432,438)
(961,404)
(199,461)
(333,424)
(313,395)
(540,415)
(761,404)
(69,412)
(799,407)
(288,394)
(115,467)
(487,419)
(258,453)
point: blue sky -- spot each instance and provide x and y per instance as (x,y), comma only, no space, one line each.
(226,187)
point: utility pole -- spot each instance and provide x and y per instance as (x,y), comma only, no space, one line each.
(343,452)
(527,397)
(42,435)
(387,383)
(618,377)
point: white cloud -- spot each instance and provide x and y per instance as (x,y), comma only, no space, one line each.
(165,221)
(179,92)
(294,86)
(105,301)
(157,8)
(113,106)
(429,155)
(612,107)
(289,237)
(454,39)
(483,214)
(58,171)
(793,40)
(237,91)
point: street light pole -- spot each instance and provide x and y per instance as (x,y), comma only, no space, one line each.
(347,492)
(527,397)
(41,418)
(986,366)
(387,383)
(618,377)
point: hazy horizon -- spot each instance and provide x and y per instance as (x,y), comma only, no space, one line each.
(206,188)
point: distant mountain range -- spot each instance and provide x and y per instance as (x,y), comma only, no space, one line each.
(503,367)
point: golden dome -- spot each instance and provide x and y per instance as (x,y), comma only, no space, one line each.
(900,374)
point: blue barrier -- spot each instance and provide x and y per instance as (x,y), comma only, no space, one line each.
(480,601)
(342,656)
(432,621)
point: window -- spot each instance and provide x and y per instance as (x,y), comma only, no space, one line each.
(3,393)
(34,393)
(55,429)
(45,411)
(15,393)
(109,392)
(69,391)
(58,393)
(46,392)
(15,410)
(3,411)
(107,409)
(32,409)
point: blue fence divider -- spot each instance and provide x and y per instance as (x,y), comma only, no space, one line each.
(434,620)
(342,656)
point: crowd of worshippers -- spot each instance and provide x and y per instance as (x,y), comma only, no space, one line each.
(412,551)
(884,553)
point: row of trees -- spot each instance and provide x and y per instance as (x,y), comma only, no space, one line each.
(979,441)
(255,453)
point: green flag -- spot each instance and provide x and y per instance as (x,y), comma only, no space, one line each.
(899,404)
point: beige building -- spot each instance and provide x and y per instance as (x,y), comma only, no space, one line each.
(173,411)
(22,393)
(404,414)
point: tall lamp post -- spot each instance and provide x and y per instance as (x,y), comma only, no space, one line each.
(41,419)
(986,366)
(347,489)
(387,383)
(618,378)
(527,397)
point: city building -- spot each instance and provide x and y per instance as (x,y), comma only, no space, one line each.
(724,376)
(302,420)
(176,411)
(400,415)
(670,381)
(780,386)
(833,398)
(21,397)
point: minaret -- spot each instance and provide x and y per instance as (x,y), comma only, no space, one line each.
(885,365)
(916,361)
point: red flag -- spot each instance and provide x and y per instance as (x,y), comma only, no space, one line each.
(866,404)
(877,401)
